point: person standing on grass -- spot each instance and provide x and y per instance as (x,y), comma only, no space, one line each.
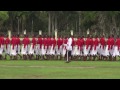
(102,47)
(32,47)
(28,46)
(44,46)
(49,44)
(13,48)
(78,43)
(23,47)
(94,48)
(1,46)
(116,49)
(86,48)
(7,46)
(58,47)
(61,47)
(24,50)
(18,44)
(99,49)
(65,40)
(112,41)
(81,47)
(107,49)
(69,48)
(75,50)
(91,48)
(73,47)
(39,47)
(119,45)
(52,48)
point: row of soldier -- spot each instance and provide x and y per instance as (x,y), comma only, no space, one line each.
(46,47)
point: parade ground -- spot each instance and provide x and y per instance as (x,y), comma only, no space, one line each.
(53,69)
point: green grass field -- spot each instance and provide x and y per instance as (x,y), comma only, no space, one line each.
(20,69)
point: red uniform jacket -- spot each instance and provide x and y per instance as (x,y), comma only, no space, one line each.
(48,42)
(82,43)
(95,43)
(39,42)
(13,42)
(59,42)
(91,43)
(111,42)
(65,42)
(87,42)
(26,41)
(7,41)
(108,43)
(78,43)
(73,42)
(34,42)
(53,41)
(117,43)
(1,41)
(18,41)
(44,42)
(102,42)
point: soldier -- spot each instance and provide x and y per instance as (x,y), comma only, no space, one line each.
(69,49)
(7,46)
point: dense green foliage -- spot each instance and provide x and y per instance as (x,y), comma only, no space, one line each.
(98,22)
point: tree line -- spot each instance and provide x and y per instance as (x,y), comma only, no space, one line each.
(97,22)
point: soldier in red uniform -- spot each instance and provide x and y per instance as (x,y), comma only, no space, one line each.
(58,46)
(32,48)
(82,47)
(7,46)
(18,44)
(13,47)
(102,47)
(24,48)
(1,45)
(44,46)
(78,43)
(73,44)
(91,46)
(107,49)
(116,48)
(39,48)
(75,49)
(112,41)
(65,40)
(52,50)
(25,42)
(95,47)
(61,47)
(48,43)
(86,48)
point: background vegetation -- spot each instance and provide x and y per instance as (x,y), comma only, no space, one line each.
(98,22)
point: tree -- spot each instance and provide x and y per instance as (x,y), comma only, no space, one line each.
(3,17)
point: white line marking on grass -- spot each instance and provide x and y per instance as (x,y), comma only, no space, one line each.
(62,67)
(10,66)
(48,66)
